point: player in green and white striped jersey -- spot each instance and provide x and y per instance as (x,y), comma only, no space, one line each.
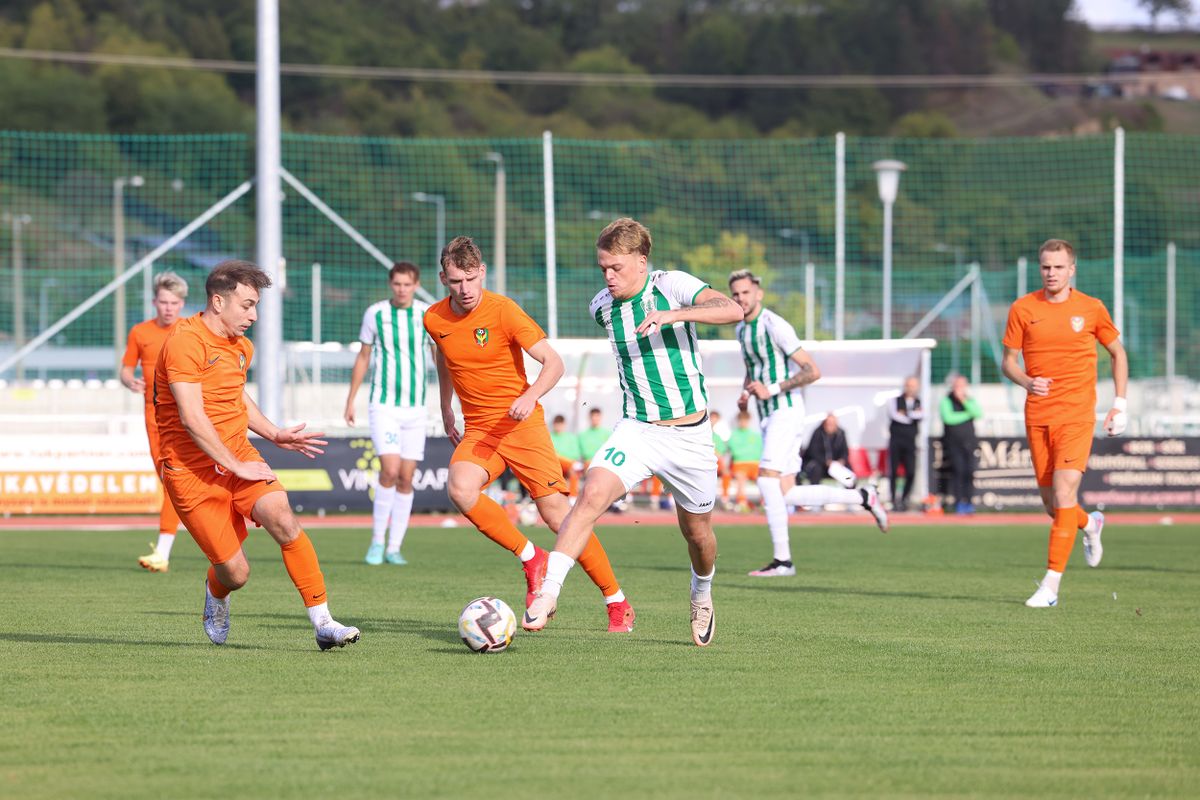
(393,331)
(776,369)
(651,322)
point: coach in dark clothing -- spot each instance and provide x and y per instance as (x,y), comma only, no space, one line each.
(959,412)
(826,448)
(906,414)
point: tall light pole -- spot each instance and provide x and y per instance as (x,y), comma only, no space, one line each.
(18,221)
(888,174)
(118,211)
(810,279)
(440,202)
(499,263)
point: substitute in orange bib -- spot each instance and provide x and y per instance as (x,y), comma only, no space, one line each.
(213,475)
(481,340)
(145,341)
(1056,330)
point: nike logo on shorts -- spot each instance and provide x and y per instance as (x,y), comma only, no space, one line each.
(444,335)
(551,483)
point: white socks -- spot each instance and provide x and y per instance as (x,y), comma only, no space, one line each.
(165,541)
(528,552)
(401,511)
(319,614)
(609,599)
(817,495)
(384,498)
(777,516)
(1052,580)
(842,474)
(1091,525)
(556,572)
(702,585)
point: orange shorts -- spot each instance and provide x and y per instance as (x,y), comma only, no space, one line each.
(566,465)
(1065,446)
(214,504)
(746,469)
(523,446)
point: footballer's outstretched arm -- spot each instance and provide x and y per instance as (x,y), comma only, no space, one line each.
(552,371)
(293,438)
(711,308)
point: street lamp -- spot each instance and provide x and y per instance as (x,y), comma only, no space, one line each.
(888,173)
(439,201)
(499,282)
(118,210)
(958,250)
(18,222)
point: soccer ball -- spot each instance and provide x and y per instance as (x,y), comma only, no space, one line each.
(487,625)
(528,514)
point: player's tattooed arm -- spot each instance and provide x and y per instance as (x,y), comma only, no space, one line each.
(806,373)
(711,308)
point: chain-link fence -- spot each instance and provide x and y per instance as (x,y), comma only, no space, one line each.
(713,206)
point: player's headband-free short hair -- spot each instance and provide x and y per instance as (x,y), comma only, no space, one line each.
(624,236)
(172,283)
(1055,245)
(226,276)
(558,418)
(744,274)
(463,253)
(405,268)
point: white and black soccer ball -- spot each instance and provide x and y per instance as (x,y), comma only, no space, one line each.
(487,625)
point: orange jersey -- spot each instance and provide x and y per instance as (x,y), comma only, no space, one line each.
(145,341)
(194,354)
(483,350)
(1058,341)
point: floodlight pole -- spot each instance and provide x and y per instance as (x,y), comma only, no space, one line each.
(888,174)
(839,238)
(499,263)
(18,222)
(269,328)
(118,212)
(439,226)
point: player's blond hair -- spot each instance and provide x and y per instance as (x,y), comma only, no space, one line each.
(463,253)
(172,283)
(624,236)
(1055,245)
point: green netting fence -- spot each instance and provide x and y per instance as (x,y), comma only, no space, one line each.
(713,206)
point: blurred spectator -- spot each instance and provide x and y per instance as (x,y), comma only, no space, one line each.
(959,411)
(721,445)
(906,414)
(827,455)
(745,451)
(566,445)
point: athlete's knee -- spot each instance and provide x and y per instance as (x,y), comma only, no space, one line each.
(463,492)
(388,479)
(404,483)
(233,575)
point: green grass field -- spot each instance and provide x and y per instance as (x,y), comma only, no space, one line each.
(892,665)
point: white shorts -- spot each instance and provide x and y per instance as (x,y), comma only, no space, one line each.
(681,456)
(398,431)
(783,436)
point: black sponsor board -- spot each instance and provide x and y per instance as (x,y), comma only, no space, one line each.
(1135,473)
(343,479)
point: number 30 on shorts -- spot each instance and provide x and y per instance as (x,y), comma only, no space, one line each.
(615,456)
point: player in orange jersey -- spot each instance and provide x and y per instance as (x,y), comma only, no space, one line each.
(145,340)
(481,339)
(1056,330)
(212,473)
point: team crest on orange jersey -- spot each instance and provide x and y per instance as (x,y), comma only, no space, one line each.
(1077,324)
(481,336)
(242,362)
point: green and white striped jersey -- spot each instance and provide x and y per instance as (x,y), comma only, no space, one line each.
(660,374)
(767,343)
(399,354)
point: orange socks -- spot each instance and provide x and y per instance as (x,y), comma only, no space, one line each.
(492,522)
(595,563)
(300,560)
(168,517)
(215,587)
(1062,536)
(1081,518)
